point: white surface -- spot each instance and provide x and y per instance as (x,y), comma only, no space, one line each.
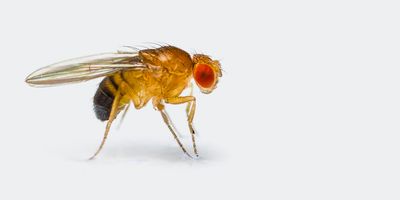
(308,107)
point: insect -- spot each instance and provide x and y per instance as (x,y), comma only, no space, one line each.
(138,76)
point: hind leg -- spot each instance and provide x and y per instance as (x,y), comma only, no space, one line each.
(111,118)
(126,108)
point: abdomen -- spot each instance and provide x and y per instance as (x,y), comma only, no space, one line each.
(104,97)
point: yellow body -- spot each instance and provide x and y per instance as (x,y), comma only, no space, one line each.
(169,73)
(159,75)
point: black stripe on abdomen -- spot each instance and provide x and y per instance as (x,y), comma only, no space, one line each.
(103,98)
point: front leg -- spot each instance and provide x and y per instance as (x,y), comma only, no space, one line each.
(160,107)
(191,107)
(189,104)
(191,100)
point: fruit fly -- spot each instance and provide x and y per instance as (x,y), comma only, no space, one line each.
(138,76)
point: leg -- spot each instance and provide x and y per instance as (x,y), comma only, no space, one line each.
(109,122)
(123,115)
(190,110)
(189,104)
(171,128)
(130,92)
(190,121)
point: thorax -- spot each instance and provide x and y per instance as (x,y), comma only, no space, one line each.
(168,74)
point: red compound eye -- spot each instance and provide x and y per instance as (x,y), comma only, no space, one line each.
(204,75)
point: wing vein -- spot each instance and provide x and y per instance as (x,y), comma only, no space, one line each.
(85,68)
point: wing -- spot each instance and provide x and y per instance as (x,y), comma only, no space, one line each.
(85,68)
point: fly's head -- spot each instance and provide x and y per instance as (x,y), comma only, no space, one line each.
(206,72)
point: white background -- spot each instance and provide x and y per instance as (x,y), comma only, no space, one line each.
(308,107)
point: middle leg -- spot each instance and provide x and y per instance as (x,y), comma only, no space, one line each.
(190,110)
(171,128)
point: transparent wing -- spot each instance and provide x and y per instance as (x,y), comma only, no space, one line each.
(85,68)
